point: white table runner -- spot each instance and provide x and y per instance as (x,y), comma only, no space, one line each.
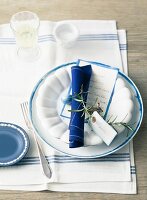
(98,41)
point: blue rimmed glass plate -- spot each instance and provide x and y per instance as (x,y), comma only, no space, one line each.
(14,143)
(88,151)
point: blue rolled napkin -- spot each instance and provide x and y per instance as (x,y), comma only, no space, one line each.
(80,78)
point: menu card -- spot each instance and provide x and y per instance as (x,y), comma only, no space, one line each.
(101,87)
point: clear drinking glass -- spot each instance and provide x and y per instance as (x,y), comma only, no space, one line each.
(25,26)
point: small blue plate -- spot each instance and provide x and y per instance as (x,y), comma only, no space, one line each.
(14,143)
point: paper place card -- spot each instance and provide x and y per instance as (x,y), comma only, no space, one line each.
(101,87)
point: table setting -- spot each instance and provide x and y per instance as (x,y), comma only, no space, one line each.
(69,111)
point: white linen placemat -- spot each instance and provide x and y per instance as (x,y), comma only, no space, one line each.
(99,42)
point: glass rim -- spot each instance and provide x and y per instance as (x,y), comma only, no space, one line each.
(25,11)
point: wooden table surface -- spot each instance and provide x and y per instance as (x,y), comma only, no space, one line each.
(130,15)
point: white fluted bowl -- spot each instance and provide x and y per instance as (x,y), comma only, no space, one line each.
(49,103)
(45,106)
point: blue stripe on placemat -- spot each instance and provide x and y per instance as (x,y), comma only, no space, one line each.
(118,157)
(85,37)
(66,156)
(133,170)
(123,46)
(53,160)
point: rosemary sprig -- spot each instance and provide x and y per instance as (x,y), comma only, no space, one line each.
(121,124)
(95,107)
(114,123)
(86,109)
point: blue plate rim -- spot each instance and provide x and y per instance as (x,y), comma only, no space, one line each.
(100,155)
(26,140)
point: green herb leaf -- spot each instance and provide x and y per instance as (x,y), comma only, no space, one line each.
(80,110)
(78,100)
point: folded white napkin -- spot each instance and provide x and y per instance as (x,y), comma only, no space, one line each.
(99,41)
